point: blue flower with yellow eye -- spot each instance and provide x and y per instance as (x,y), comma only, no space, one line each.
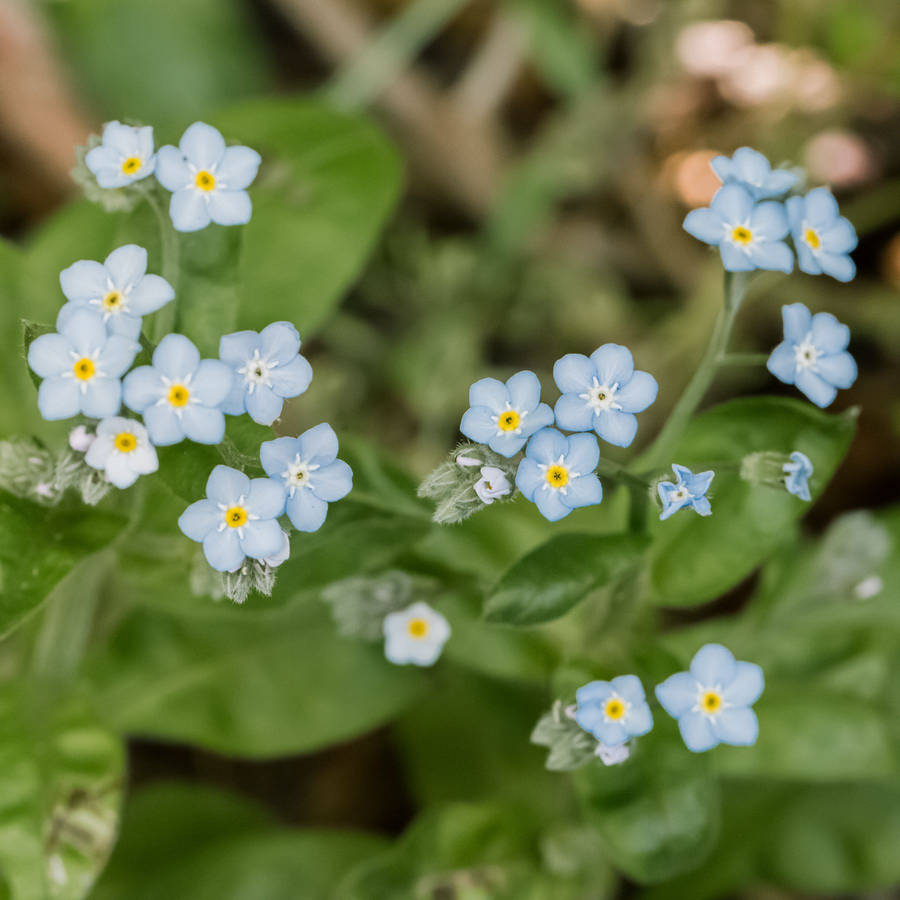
(712,701)
(752,171)
(504,416)
(823,238)
(125,155)
(797,473)
(613,711)
(81,365)
(180,395)
(749,235)
(687,490)
(557,473)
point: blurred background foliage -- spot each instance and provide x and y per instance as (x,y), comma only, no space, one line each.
(542,154)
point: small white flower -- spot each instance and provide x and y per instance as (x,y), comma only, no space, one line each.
(80,439)
(122,450)
(124,156)
(415,635)
(612,756)
(493,484)
(868,588)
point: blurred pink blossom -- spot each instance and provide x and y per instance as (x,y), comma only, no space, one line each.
(689,176)
(760,74)
(839,158)
(707,49)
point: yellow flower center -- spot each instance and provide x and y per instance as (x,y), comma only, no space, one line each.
(741,235)
(131,165)
(614,709)
(113,300)
(235,516)
(125,442)
(509,421)
(811,236)
(557,476)
(417,628)
(711,702)
(179,395)
(204,180)
(84,369)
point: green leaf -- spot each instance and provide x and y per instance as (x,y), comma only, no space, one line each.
(40,545)
(253,684)
(197,843)
(546,583)
(695,559)
(60,780)
(328,183)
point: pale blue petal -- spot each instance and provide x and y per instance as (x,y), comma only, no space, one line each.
(163,425)
(508,444)
(589,718)
(735,259)
(696,732)
(797,322)
(121,138)
(828,334)
(594,692)
(59,398)
(782,363)
(230,207)
(583,491)
(279,342)
(529,477)
(144,134)
(235,403)
(199,519)
(745,687)
(839,237)
(262,538)
(49,355)
(142,387)
(266,498)
(547,446)
(639,392)
(551,505)
(682,473)
(477,424)
(489,392)
(537,419)
(820,208)
(617,428)
(611,733)
(203,425)
(102,398)
(677,694)
(203,145)
(839,369)
(176,357)
(573,373)
(629,687)
(126,266)
(751,166)
(306,511)
(106,164)
(806,259)
(778,182)
(701,506)
(699,484)
(318,445)
(237,348)
(84,281)
(117,355)
(713,664)
(524,390)
(211,382)
(238,168)
(150,294)
(583,453)
(614,364)
(222,550)
(172,171)
(573,413)
(124,325)
(816,389)
(227,485)
(841,268)
(794,207)
(722,166)
(189,210)
(85,331)
(277,455)
(736,726)
(705,225)
(332,481)
(733,204)
(774,256)
(640,719)
(293,379)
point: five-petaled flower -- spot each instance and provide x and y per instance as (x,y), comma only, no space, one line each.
(504,416)
(118,288)
(125,155)
(122,450)
(557,473)
(415,635)
(81,365)
(751,170)
(208,180)
(797,474)
(749,235)
(268,368)
(813,355)
(712,700)
(602,392)
(238,519)
(613,711)
(311,474)
(492,484)
(179,396)
(822,236)
(687,490)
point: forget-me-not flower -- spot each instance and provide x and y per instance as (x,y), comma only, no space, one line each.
(492,484)
(602,392)
(208,180)
(557,473)
(125,155)
(119,289)
(122,451)
(749,235)
(813,355)
(268,368)
(613,711)
(797,474)
(712,700)
(504,416)
(81,365)
(415,635)
(823,238)
(751,170)
(687,490)
(238,518)
(180,395)
(310,472)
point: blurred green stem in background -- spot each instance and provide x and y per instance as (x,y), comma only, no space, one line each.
(735,290)
(638,489)
(743,359)
(168,239)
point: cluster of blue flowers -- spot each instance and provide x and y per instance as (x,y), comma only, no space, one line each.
(712,703)
(84,365)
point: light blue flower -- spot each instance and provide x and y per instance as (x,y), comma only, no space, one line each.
(180,395)
(118,288)
(268,367)
(208,180)
(239,518)
(813,355)
(504,416)
(557,473)
(81,365)
(125,155)
(749,235)
(822,237)
(415,635)
(687,490)
(312,475)
(712,700)
(613,711)
(797,474)
(602,392)
(751,170)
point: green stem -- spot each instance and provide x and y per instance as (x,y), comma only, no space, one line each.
(743,359)
(665,443)
(165,318)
